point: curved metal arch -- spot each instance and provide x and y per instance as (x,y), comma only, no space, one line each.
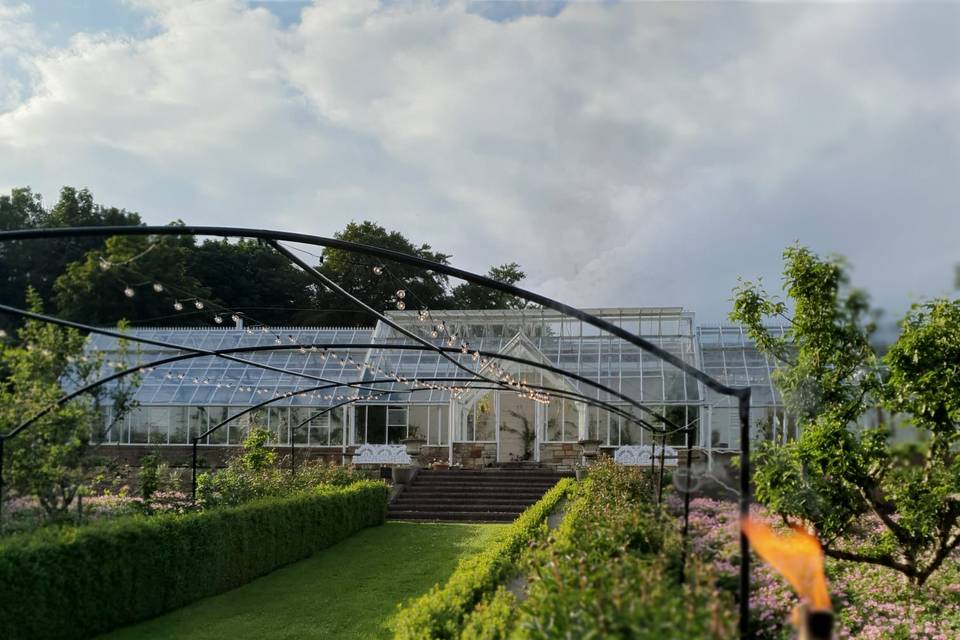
(226,354)
(386,254)
(741,393)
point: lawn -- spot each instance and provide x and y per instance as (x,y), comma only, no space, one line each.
(347,591)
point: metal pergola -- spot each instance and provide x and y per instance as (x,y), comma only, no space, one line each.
(274,239)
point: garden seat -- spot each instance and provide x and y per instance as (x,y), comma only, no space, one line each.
(381,454)
(635,455)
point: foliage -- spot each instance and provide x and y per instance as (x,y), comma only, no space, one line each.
(837,472)
(440,612)
(254,474)
(870,601)
(474,296)
(612,571)
(23,265)
(55,583)
(47,459)
(91,289)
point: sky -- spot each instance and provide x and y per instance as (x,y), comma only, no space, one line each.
(625,154)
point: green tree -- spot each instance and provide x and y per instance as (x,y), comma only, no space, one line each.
(38,263)
(47,459)
(252,278)
(96,288)
(356,274)
(474,296)
(837,472)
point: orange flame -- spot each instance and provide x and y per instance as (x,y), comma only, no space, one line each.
(797,556)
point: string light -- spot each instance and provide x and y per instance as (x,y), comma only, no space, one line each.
(378,270)
(158,287)
(178,306)
(129,292)
(401,294)
(198,304)
(218,319)
(401,305)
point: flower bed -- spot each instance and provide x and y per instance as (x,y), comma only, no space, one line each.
(870,601)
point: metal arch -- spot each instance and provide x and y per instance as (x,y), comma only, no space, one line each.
(198,353)
(741,393)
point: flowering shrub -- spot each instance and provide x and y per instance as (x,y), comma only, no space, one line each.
(870,601)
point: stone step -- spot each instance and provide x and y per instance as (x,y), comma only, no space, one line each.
(482,485)
(454,516)
(516,507)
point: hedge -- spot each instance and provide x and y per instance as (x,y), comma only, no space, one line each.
(78,582)
(612,572)
(440,612)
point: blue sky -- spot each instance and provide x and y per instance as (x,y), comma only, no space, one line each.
(624,153)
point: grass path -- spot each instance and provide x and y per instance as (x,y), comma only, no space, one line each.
(347,591)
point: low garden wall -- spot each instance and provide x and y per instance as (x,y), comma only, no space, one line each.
(78,582)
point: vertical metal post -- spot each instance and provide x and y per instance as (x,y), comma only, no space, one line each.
(663,453)
(193,490)
(744,406)
(2,439)
(293,456)
(686,505)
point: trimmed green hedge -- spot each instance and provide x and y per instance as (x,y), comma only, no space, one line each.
(612,572)
(440,612)
(77,582)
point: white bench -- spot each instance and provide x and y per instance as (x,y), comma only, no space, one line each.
(636,455)
(381,454)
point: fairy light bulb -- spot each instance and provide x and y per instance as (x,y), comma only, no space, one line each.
(104,264)
(235,317)
(378,270)
(434,333)
(178,306)
(158,287)
(198,304)
(400,305)
(401,294)
(129,292)
(218,319)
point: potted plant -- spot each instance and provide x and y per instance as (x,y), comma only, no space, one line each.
(581,471)
(590,448)
(404,474)
(413,442)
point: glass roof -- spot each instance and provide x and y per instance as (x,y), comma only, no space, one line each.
(565,343)
(729,355)
(724,352)
(209,380)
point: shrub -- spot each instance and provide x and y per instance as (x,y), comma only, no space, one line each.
(613,572)
(440,612)
(248,476)
(77,582)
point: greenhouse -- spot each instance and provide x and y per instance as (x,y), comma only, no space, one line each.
(401,389)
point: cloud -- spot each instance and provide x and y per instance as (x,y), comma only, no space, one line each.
(624,154)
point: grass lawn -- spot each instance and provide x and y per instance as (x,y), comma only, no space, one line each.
(347,591)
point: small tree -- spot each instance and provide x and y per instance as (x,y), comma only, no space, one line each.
(836,472)
(46,460)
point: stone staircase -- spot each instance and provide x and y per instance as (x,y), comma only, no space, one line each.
(457,495)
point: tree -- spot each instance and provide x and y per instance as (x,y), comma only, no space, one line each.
(47,459)
(837,472)
(118,281)
(473,296)
(36,263)
(252,278)
(357,274)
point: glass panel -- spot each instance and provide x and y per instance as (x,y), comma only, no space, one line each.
(178,425)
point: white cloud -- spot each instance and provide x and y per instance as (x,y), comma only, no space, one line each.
(633,154)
